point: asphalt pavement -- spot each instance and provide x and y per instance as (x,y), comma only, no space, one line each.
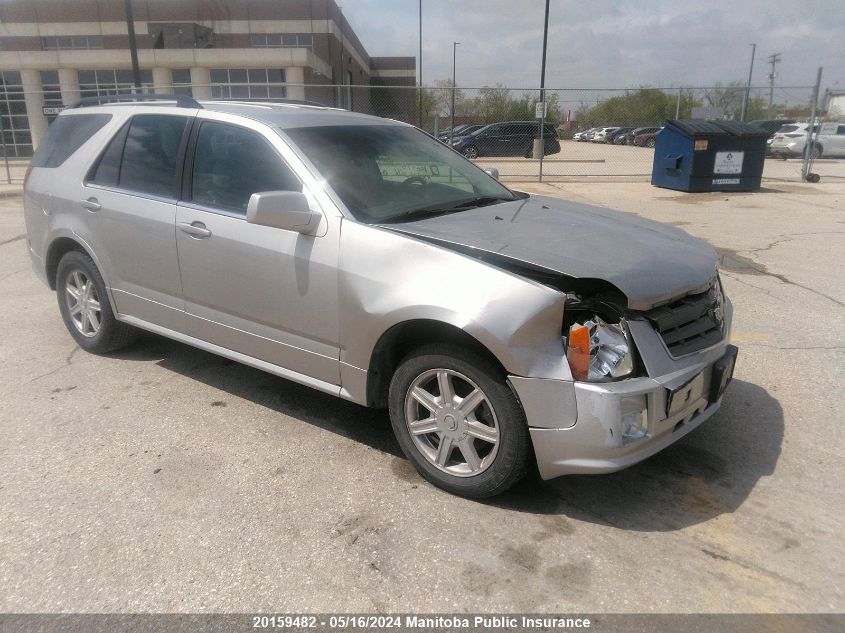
(163,478)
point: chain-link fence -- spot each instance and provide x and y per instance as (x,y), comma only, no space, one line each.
(588,134)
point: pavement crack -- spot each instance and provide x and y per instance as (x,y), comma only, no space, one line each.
(68,361)
(17,238)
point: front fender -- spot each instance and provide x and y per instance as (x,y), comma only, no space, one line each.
(386,278)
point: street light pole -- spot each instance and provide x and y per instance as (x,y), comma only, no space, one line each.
(420,77)
(748,85)
(133,45)
(543,92)
(454,58)
(342,62)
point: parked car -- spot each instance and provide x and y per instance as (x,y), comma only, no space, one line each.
(600,135)
(790,140)
(611,137)
(583,136)
(647,139)
(510,138)
(460,130)
(359,256)
(629,137)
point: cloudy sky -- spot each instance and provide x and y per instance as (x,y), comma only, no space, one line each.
(606,43)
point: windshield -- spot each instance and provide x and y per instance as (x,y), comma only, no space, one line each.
(387,172)
(787,128)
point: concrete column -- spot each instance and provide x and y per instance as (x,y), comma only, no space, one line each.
(34,99)
(69,86)
(163,81)
(201,80)
(295,76)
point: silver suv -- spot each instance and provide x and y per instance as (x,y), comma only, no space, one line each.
(361,257)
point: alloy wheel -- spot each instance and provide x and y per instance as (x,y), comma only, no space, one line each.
(83,303)
(451,422)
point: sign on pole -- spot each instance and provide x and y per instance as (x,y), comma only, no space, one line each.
(540,110)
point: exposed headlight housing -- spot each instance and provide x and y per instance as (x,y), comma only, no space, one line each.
(456,141)
(599,351)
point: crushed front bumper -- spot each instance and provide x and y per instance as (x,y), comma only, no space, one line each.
(589,435)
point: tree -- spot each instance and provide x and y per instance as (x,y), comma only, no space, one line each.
(645,106)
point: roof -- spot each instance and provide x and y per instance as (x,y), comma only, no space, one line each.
(288,115)
(277,114)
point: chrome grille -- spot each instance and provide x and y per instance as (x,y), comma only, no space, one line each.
(691,323)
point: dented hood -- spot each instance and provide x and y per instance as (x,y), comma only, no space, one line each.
(649,262)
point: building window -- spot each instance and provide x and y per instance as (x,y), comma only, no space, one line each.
(282,40)
(16,138)
(253,84)
(102,83)
(71,43)
(181,80)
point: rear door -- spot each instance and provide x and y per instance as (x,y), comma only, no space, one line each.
(130,198)
(265,292)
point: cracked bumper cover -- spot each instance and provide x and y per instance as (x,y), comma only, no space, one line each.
(577,427)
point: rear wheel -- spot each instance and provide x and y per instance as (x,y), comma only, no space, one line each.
(85,307)
(458,422)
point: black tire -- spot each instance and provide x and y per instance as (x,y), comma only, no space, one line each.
(815,151)
(650,142)
(510,461)
(112,334)
(470,152)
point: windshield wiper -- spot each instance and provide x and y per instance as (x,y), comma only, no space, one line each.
(463,205)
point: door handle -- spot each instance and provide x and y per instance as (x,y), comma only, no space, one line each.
(91,204)
(195,229)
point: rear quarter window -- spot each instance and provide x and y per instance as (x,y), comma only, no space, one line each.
(66,135)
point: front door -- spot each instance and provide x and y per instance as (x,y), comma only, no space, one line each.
(261,291)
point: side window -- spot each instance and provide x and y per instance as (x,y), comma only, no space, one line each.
(231,163)
(66,135)
(151,153)
(107,170)
(840,130)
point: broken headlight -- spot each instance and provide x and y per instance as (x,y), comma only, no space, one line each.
(600,351)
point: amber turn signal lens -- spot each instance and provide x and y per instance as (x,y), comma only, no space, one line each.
(578,353)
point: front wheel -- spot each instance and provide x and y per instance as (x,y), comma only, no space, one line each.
(458,422)
(471,152)
(650,142)
(815,151)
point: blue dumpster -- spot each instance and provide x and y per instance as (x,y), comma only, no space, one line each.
(698,155)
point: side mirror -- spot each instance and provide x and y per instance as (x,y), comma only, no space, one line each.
(492,171)
(287,210)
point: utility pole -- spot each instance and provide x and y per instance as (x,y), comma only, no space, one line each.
(420,122)
(747,96)
(133,45)
(543,92)
(452,126)
(773,60)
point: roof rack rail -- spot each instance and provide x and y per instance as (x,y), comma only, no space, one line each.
(182,101)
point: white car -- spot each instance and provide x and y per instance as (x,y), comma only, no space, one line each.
(791,139)
(601,135)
